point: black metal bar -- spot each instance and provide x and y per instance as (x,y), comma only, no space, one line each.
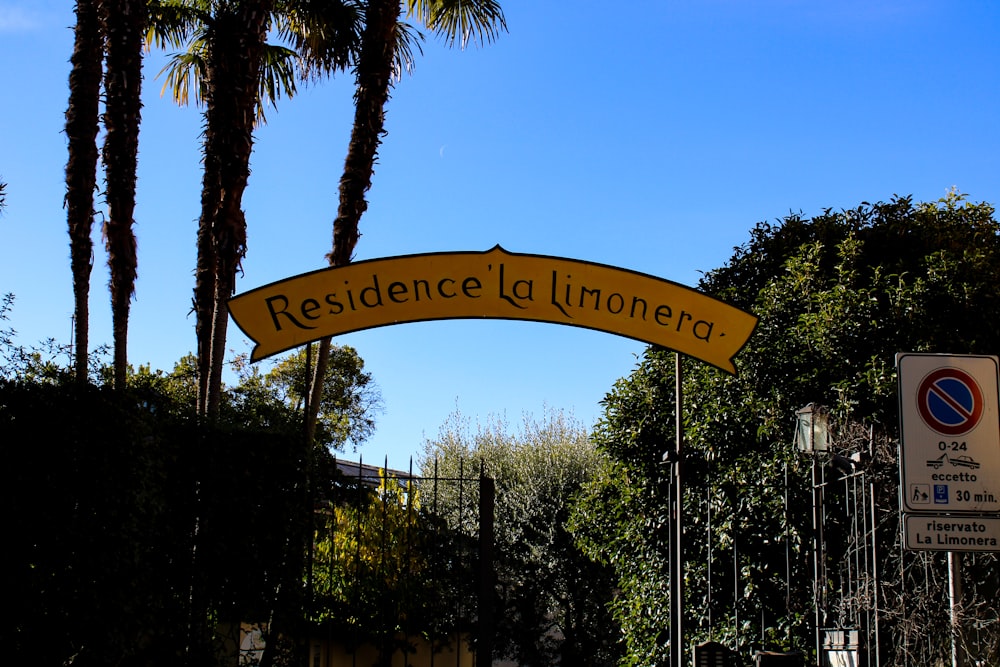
(487,622)
(461,533)
(355,592)
(388,622)
(434,503)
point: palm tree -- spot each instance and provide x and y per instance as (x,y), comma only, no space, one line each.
(222,64)
(384,51)
(125,24)
(81,166)
(236,41)
(113,28)
(235,72)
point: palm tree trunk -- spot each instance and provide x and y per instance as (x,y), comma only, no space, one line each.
(126,23)
(373,83)
(81,166)
(236,48)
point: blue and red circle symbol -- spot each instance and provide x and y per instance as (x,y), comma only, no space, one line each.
(950,401)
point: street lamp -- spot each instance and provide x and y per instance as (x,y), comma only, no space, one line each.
(812,429)
(812,435)
(839,645)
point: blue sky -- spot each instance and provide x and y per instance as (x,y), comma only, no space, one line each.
(650,135)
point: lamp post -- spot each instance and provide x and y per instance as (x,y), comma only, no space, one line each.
(812,435)
(855,638)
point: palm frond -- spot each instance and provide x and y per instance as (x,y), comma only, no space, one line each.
(277,77)
(172,23)
(326,33)
(186,73)
(461,21)
(408,38)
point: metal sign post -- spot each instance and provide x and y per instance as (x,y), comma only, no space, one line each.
(677,532)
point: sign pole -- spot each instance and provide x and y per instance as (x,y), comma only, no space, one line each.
(955,593)
(676,562)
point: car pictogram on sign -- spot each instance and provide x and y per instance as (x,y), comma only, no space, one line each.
(965,462)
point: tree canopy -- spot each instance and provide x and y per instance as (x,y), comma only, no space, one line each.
(142,530)
(838,295)
(349,398)
(550,598)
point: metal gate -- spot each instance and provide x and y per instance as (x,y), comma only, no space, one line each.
(402,570)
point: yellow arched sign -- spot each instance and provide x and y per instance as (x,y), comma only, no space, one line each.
(495,285)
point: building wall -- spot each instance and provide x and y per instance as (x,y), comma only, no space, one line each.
(326,653)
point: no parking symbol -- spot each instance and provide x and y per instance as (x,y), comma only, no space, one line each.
(950,401)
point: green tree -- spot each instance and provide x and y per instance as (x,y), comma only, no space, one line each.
(41,363)
(148,533)
(175,391)
(551,598)
(838,295)
(7,333)
(90,575)
(145,533)
(385,49)
(349,400)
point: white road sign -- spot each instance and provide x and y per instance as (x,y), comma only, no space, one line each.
(950,428)
(933,532)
